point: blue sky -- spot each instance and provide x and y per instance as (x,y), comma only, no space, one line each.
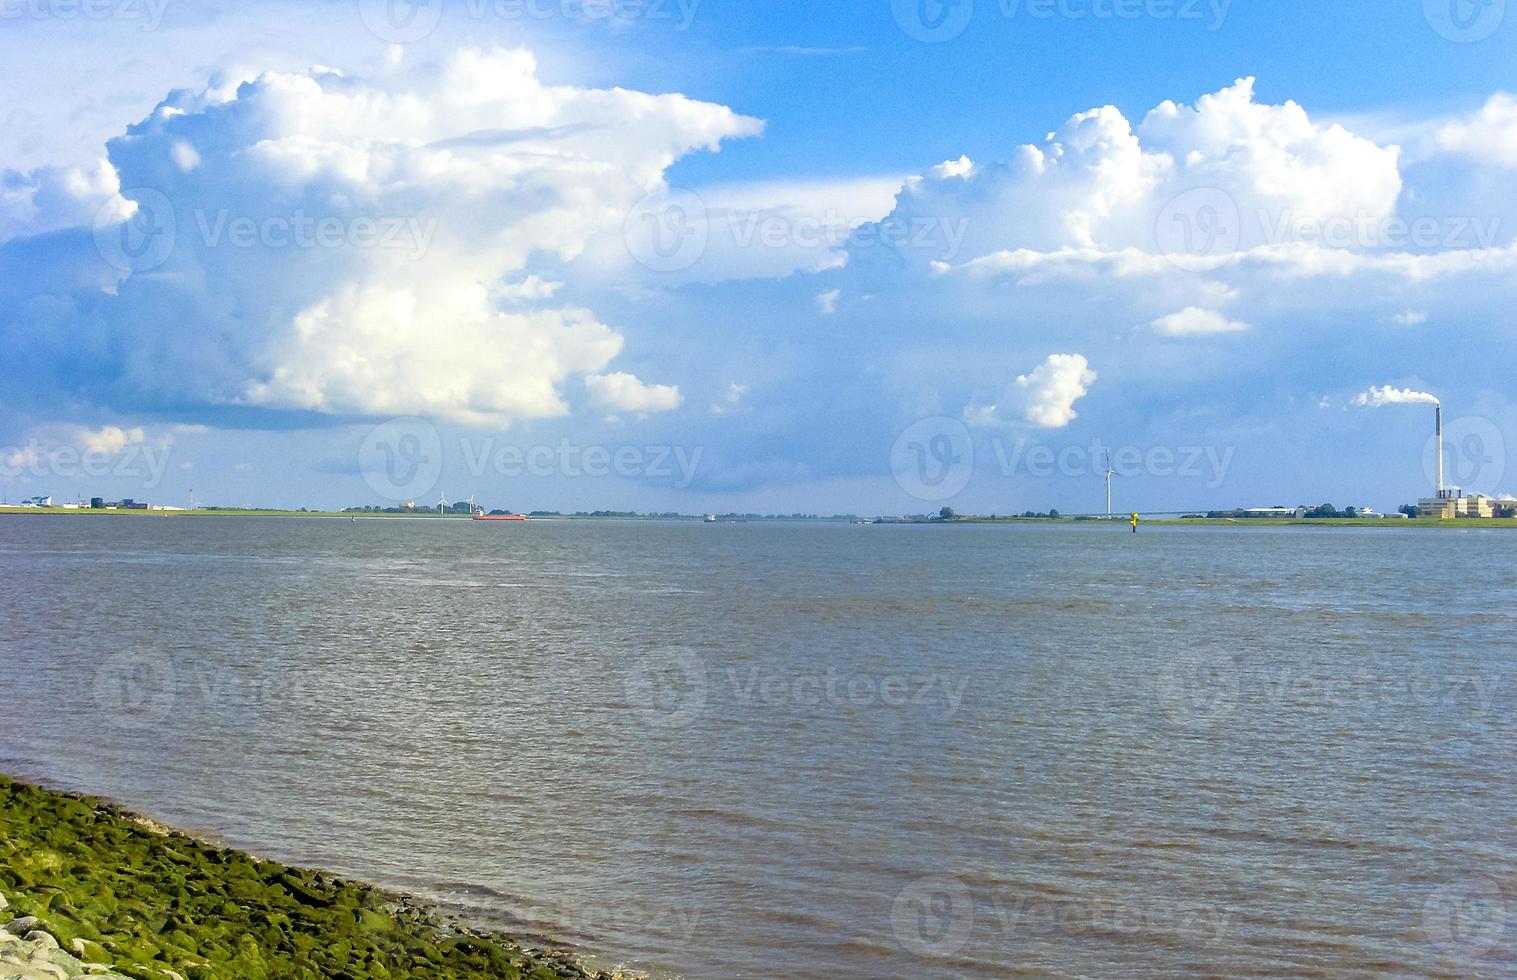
(877,257)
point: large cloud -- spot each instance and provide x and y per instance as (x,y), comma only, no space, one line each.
(1225,174)
(1486,136)
(341,245)
(1044,397)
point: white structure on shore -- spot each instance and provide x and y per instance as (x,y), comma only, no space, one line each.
(1451,504)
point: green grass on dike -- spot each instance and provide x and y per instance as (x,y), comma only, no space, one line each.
(147,901)
(222,512)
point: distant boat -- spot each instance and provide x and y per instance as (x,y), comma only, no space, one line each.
(501,517)
(710,518)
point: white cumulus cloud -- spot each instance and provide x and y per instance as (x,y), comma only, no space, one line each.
(1488,135)
(1196,322)
(108,439)
(1044,397)
(435,187)
(623,392)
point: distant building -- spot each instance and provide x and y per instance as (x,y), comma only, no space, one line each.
(1453,504)
(1293,512)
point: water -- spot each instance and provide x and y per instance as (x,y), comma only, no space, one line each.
(766,749)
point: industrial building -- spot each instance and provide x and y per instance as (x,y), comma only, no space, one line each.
(1450,503)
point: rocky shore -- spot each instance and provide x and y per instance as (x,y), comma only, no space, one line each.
(87,889)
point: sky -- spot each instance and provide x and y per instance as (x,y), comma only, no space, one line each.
(875,257)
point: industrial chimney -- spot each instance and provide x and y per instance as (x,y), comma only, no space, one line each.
(1438,424)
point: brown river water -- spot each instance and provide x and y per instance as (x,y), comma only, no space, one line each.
(814,750)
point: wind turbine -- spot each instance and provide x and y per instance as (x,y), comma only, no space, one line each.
(442,501)
(472,511)
(1109,473)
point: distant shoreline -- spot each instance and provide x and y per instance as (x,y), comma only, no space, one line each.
(1371,522)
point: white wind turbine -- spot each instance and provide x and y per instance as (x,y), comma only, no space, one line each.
(442,501)
(1109,474)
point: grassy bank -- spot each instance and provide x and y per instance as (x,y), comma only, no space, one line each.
(224,512)
(1121,521)
(114,889)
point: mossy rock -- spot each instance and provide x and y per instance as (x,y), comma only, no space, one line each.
(147,903)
